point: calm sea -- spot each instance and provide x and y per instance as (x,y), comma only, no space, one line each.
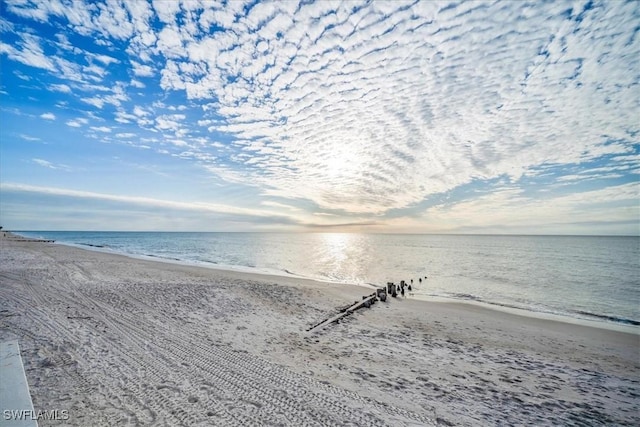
(577,276)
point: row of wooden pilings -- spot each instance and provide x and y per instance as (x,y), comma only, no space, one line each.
(393,290)
(367,301)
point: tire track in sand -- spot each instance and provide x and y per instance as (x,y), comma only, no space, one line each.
(246,372)
(162,367)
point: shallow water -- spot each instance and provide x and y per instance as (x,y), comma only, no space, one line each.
(577,276)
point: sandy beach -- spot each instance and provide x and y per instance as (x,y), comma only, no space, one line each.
(120,341)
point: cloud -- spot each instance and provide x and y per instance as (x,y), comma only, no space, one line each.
(142,70)
(138,84)
(358,109)
(102,129)
(115,98)
(511,209)
(277,205)
(140,112)
(29,138)
(49,165)
(60,88)
(169,122)
(166,11)
(78,122)
(354,116)
(106,59)
(28,52)
(96,101)
(48,116)
(95,69)
(22,76)
(144,201)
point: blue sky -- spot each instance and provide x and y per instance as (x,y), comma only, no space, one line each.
(426,117)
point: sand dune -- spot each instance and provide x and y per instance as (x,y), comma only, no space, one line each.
(120,341)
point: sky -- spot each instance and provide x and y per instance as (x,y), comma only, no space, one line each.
(356,116)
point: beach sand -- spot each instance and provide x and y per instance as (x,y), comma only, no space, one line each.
(120,341)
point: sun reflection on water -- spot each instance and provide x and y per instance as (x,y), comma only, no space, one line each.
(336,245)
(344,256)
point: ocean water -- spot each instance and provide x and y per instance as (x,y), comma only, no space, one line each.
(586,277)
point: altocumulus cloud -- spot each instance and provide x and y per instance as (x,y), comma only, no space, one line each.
(359,109)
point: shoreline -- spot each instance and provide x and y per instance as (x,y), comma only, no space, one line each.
(515,311)
(114,339)
(246,273)
(593,320)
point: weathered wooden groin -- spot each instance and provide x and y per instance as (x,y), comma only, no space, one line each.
(379,295)
(367,301)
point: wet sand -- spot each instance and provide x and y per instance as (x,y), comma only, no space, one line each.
(121,341)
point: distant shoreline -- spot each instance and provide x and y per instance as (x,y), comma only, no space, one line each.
(325,232)
(19,238)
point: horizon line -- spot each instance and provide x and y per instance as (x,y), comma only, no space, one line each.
(327,232)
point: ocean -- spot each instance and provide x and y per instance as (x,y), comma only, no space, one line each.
(579,277)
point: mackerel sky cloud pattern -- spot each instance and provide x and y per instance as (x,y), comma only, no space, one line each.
(401,114)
